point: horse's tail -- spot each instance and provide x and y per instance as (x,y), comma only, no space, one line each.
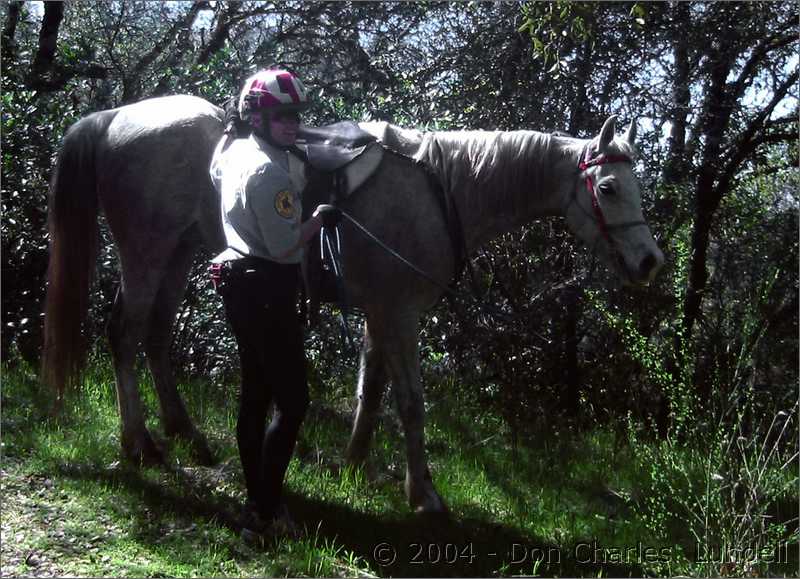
(72,221)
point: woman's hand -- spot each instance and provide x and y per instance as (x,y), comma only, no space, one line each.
(330,215)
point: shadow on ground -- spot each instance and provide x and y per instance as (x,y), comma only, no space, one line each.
(400,545)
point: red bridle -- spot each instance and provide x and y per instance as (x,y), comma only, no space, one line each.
(602,224)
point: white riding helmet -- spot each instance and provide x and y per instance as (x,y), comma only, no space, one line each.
(272,89)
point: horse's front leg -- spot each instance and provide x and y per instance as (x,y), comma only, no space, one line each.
(372,380)
(402,356)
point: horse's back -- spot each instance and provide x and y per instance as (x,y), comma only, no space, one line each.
(168,113)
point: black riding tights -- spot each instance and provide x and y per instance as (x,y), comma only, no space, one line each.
(261,306)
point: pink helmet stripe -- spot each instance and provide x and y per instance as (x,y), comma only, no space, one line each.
(265,98)
(257,84)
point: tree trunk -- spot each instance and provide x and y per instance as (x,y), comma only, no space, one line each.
(675,168)
(717,116)
(48,39)
(571,298)
(10,31)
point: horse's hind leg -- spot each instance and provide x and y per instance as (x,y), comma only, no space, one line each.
(174,417)
(372,380)
(125,330)
(398,339)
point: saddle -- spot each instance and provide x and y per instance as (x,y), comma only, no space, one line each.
(341,157)
(345,148)
(333,146)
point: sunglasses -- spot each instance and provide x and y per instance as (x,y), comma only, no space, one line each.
(286,117)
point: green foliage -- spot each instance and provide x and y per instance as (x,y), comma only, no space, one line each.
(553,24)
(730,492)
(31,127)
(727,471)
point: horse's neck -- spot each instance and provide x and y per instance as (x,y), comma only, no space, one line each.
(500,181)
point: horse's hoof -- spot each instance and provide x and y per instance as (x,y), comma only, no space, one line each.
(423,497)
(143,452)
(431,505)
(427,502)
(198,446)
(355,457)
(202,453)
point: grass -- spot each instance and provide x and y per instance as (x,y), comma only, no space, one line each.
(561,504)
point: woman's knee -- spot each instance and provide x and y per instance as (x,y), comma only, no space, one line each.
(292,409)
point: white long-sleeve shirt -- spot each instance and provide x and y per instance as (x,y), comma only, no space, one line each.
(259,187)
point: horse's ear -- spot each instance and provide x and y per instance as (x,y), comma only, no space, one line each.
(607,133)
(630,134)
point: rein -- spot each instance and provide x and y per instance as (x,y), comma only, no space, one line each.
(330,248)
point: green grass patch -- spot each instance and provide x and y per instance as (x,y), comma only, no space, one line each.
(559,504)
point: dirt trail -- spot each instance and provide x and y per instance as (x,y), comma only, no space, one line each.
(33,515)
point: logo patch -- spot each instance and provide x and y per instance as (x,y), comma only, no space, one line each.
(284,204)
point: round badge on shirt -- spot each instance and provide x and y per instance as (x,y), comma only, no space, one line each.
(284,204)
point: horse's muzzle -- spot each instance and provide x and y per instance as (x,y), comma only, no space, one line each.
(648,267)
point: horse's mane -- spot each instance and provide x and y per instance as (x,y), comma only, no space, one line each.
(494,170)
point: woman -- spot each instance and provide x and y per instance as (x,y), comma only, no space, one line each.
(260,179)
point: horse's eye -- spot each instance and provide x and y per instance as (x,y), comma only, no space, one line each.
(607,189)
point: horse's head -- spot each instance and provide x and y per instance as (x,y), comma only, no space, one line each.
(606,208)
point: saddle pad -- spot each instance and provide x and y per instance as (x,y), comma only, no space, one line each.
(333,146)
(345,134)
(362,168)
(407,142)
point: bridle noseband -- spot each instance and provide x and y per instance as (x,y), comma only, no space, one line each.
(603,225)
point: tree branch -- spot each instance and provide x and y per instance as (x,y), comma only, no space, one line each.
(179,25)
(226,19)
(753,63)
(180,29)
(46,74)
(303,22)
(675,168)
(747,142)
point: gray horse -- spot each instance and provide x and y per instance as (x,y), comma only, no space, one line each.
(146,165)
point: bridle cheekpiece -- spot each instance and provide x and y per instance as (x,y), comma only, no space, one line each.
(605,229)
